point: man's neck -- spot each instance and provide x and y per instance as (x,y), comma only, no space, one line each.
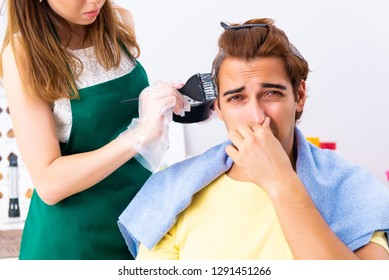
(237,174)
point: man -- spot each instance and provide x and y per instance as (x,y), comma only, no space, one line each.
(268,193)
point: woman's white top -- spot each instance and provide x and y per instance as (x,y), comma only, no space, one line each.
(93,73)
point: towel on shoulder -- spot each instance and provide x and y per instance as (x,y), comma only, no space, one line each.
(352,202)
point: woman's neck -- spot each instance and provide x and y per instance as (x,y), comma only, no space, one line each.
(75,38)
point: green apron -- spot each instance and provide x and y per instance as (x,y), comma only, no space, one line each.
(84,225)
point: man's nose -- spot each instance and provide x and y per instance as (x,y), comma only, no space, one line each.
(256,112)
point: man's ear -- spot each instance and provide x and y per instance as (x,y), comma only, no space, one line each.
(217,109)
(301,96)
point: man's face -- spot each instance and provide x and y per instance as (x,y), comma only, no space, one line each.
(251,90)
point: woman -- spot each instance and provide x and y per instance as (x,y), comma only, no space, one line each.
(67,68)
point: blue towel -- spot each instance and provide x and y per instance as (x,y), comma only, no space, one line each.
(351,200)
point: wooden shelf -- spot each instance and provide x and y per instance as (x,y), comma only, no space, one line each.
(10,243)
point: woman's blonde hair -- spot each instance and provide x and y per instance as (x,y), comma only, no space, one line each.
(46,64)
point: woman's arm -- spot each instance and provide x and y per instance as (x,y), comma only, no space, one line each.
(56,177)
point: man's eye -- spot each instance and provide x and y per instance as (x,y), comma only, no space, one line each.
(273,94)
(234,98)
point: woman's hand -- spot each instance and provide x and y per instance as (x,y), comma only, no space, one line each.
(149,134)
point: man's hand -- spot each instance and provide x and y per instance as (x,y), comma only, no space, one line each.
(258,152)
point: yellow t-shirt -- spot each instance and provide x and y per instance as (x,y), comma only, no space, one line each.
(227,220)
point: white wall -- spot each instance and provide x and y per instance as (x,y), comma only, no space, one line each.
(346,43)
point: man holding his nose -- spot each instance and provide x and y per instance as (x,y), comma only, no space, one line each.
(266,193)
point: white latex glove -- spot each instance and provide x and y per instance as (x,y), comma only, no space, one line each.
(149,134)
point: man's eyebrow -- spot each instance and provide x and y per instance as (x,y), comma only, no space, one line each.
(270,85)
(264,85)
(232,91)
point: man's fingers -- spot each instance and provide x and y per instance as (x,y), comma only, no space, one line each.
(266,122)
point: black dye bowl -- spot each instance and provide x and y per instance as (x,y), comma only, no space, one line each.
(198,112)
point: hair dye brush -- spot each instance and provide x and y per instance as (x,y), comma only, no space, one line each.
(201,91)
(200,88)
